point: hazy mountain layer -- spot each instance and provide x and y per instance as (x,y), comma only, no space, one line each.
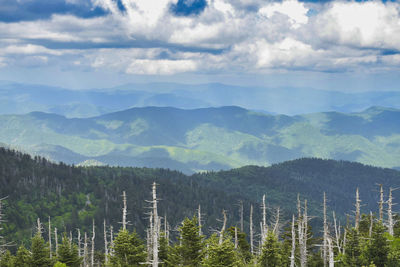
(207,139)
(25,98)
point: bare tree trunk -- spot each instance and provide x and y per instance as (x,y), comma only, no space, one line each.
(221,234)
(331,255)
(371,223)
(1,228)
(276,226)
(358,205)
(303,248)
(93,237)
(325,236)
(344,241)
(39,227)
(337,232)
(241,215)
(264,221)
(56,240)
(251,230)
(79,243)
(105,242)
(381,203)
(293,251)
(390,213)
(155,228)
(236,238)
(124,211)
(85,252)
(199,215)
(51,256)
(111,251)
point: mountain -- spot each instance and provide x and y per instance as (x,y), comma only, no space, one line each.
(17,98)
(207,138)
(73,196)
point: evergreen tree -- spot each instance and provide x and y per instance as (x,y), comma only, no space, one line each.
(60,264)
(353,249)
(68,253)
(23,258)
(7,260)
(378,247)
(163,251)
(243,245)
(40,252)
(189,247)
(271,251)
(220,255)
(129,250)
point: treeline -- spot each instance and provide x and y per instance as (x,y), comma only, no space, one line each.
(366,240)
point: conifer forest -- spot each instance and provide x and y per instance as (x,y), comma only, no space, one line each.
(196,234)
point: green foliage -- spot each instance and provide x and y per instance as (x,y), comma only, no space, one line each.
(220,255)
(353,249)
(378,247)
(271,255)
(129,250)
(68,253)
(23,257)
(188,250)
(59,264)
(243,245)
(7,260)
(40,252)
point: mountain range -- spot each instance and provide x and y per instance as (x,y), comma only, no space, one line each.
(207,138)
(18,98)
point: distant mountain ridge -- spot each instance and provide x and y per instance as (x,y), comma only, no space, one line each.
(16,98)
(207,138)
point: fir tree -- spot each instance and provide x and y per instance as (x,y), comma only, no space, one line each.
(271,251)
(23,258)
(40,252)
(220,255)
(378,247)
(188,250)
(68,253)
(129,250)
(353,255)
(7,260)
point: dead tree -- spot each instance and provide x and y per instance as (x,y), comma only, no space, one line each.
(50,238)
(221,233)
(199,215)
(337,232)
(111,250)
(390,213)
(241,214)
(264,221)
(124,211)
(325,235)
(371,224)
(85,252)
(79,243)
(358,206)
(92,252)
(251,230)
(276,226)
(303,236)
(156,227)
(293,251)
(105,242)
(56,240)
(331,254)
(236,238)
(381,204)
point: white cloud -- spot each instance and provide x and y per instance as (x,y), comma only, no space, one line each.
(252,36)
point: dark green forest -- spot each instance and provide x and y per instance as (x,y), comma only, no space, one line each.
(75,197)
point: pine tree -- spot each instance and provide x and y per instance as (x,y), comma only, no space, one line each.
(271,251)
(189,247)
(163,250)
(220,255)
(129,250)
(40,252)
(68,253)
(23,258)
(243,245)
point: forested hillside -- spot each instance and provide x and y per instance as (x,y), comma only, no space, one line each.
(73,196)
(206,139)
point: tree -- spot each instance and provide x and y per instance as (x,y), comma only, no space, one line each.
(7,260)
(23,258)
(352,257)
(220,255)
(243,245)
(129,250)
(40,252)
(378,247)
(68,253)
(271,251)
(189,248)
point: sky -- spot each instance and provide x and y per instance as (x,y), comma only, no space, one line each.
(329,45)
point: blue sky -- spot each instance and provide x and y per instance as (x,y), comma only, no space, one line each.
(332,45)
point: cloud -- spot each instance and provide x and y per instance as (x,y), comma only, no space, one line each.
(164,37)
